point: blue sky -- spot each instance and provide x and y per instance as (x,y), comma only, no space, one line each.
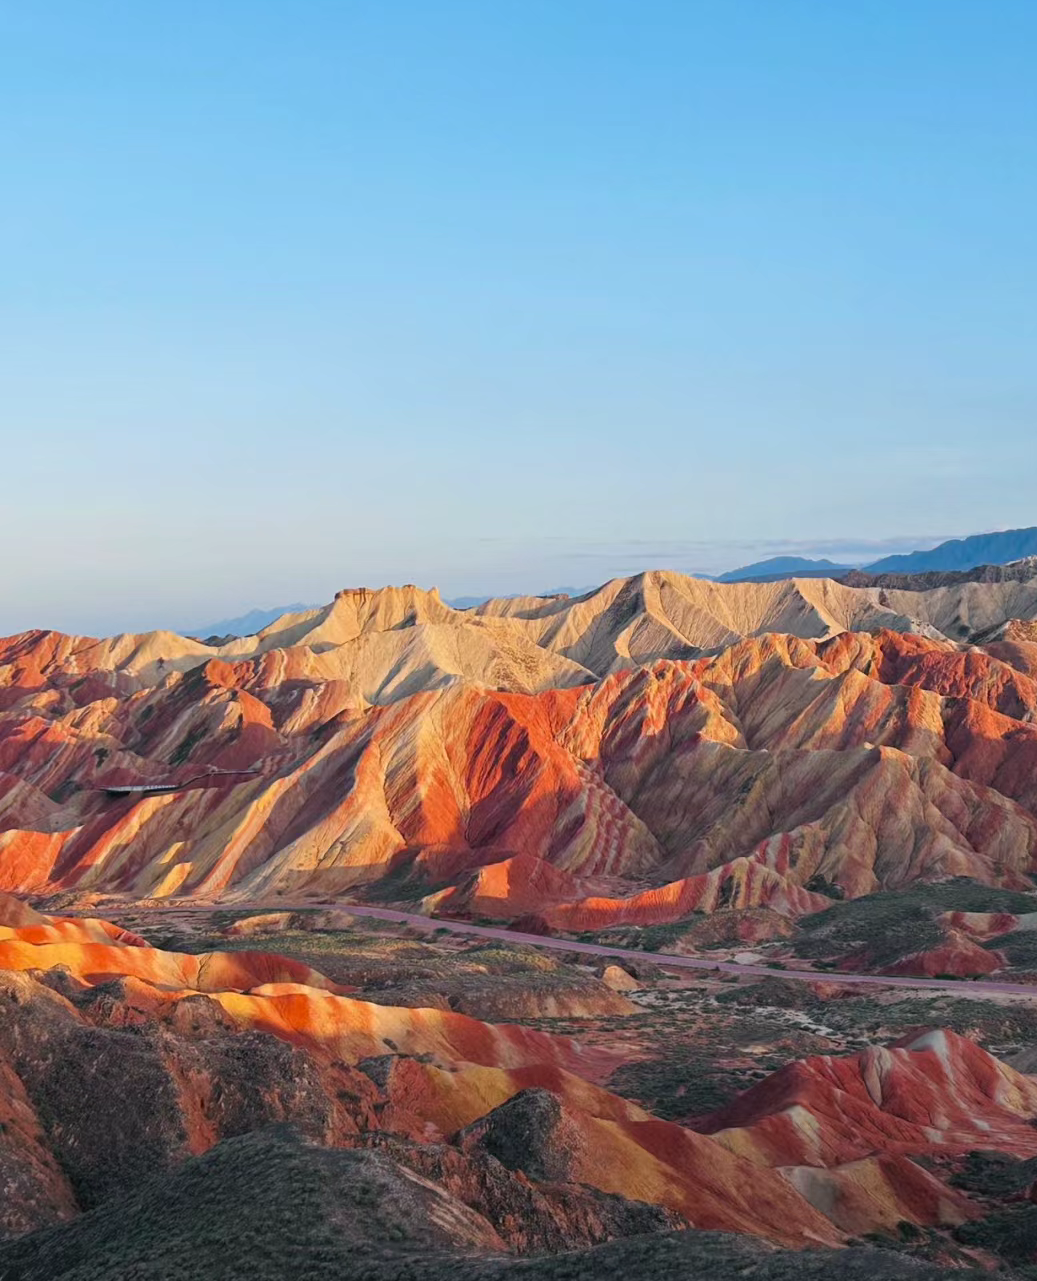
(503,296)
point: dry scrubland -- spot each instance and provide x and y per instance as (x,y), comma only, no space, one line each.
(441,1104)
(810,774)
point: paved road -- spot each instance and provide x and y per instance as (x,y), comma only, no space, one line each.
(958,986)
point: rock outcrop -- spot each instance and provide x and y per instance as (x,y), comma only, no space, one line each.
(764,777)
(120,1091)
(111,1077)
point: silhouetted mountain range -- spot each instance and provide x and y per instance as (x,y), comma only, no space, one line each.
(783,567)
(955,555)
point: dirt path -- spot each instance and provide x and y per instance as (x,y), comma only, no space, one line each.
(961,987)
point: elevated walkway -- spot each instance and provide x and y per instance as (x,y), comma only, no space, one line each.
(156,789)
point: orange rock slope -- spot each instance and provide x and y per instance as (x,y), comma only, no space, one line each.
(422,1073)
(934,1091)
(580,761)
(813,1153)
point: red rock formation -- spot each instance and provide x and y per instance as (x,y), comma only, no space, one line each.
(816,1151)
(880,1193)
(420,1073)
(935,1091)
(957,956)
(36,1190)
(862,761)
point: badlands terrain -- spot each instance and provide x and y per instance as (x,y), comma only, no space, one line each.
(661,747)
(208,1093)
(793,783)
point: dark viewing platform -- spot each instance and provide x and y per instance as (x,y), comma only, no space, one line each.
(116,790)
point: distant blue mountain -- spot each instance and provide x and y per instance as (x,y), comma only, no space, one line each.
(473,602)
(956,554)
(246,624)
(963,553)
(783,567)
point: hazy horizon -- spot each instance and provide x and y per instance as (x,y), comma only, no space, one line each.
(494,298)
(712,559)
(509,573)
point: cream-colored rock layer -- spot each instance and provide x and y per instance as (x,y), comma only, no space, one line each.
(390,642)
(390,735)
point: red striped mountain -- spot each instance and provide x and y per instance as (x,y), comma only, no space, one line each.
(475,762)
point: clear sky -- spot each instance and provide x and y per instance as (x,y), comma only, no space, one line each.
(502,294)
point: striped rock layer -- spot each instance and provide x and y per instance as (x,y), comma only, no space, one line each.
(117,1059)
(586,762)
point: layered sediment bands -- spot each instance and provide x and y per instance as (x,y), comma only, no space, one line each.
(580,780)
(957,955)
(576,765)
(935,1091)
(646,1159)
(880,1192)
(111,1077)
(110,1081)
(663,614)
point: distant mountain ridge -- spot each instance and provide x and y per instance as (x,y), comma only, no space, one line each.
(751,736)
(246,624)
(783,567)
(1016,571)
(955,555)
(473,602)
(963,553)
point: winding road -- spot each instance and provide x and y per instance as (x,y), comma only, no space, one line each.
(961,987)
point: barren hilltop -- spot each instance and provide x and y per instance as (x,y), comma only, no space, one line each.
(835,781)
(659,746)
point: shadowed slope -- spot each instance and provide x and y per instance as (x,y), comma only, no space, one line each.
(469,760)
(358,1214)
(112,1079)
(935,1090)
(345,1066)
